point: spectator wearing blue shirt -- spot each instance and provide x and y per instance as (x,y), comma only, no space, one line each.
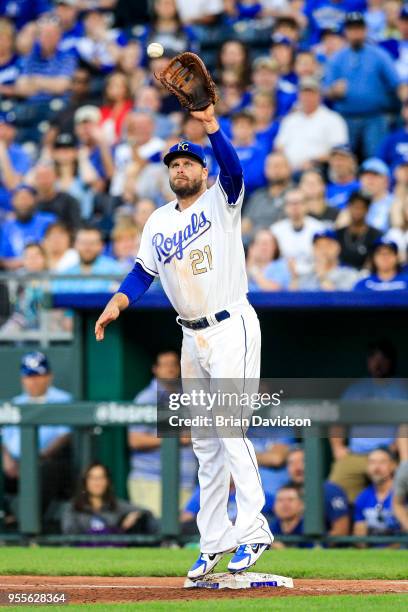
(283,51)
(53,440)
(266,127)
(289,512)
(47,71)
(251,155)
(336,508)
(100,46)
(92,262)
(350,460)
(266,79)
(342,175)
(398,46)
(363,83)
(373,511)
(375,181)
(386,274)
(144,482)
(14,161)
(394,148)
(27,226)
(72,27)
(10,64)
(23,11)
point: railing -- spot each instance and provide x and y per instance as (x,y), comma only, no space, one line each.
(85,416)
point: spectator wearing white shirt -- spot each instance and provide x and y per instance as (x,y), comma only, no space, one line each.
(201,12)
(295,234)
(307,135)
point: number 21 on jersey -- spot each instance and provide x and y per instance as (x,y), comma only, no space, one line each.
(201,261)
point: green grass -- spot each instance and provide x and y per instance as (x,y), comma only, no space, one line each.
(316,563)
(349,603)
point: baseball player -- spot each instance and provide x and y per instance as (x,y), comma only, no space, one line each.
(194,245)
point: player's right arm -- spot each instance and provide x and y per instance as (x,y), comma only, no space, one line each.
(132,288)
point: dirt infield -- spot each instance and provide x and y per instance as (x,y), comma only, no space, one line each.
(90,589)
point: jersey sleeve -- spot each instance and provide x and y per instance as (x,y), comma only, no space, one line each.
(145,256)
(230,179)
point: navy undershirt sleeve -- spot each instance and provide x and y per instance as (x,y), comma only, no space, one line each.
(231,178)
(136,283)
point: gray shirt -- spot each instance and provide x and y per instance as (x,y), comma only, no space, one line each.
(342,279)
(90,521)
(263,210)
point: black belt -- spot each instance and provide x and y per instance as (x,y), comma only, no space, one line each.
(205,322)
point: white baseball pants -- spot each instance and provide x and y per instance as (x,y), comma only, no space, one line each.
(228,350)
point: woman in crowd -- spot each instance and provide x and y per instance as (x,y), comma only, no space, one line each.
(57,245)
(125,243)
(118,103)
(234,56)
(386,271)
(266,270)
(96,510)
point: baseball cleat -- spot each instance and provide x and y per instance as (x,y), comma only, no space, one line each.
(204,564)
(246,556)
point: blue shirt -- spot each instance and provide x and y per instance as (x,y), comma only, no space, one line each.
(338,195)
(373,283)
(70,38)
(46,433)
(378,515)
(16,234)
(252,160)
(23,11)
(322,14)
(276,529)
(102,265)
(21,164)
(61,64)
(147,464)
(394,148)
(335,503)
(272,478)
(10,71)
(365,438)
(371,79)
(266,138)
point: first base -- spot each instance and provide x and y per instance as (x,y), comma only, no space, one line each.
(244,580)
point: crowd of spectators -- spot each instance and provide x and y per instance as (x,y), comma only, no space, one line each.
(364,494)
(313,94)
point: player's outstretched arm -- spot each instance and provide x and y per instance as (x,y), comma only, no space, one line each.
(133,287)
(231,177)
(112,311)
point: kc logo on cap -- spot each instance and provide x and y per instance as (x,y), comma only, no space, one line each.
(182,146)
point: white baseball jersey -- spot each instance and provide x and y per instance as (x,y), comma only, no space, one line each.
(198,253)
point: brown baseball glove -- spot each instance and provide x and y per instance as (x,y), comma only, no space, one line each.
(187,78)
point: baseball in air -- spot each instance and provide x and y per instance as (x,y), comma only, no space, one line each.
(155,50)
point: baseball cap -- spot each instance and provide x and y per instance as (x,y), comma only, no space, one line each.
(64,140)
(34,364)
(67,2)
(375,165)
(359,196)
(342,150)
(383,241)
(335,30)
(184,148)
(87,113)
(309,82)
(329,234)
(354,18)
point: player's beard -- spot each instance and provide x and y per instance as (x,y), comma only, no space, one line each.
(187,188)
